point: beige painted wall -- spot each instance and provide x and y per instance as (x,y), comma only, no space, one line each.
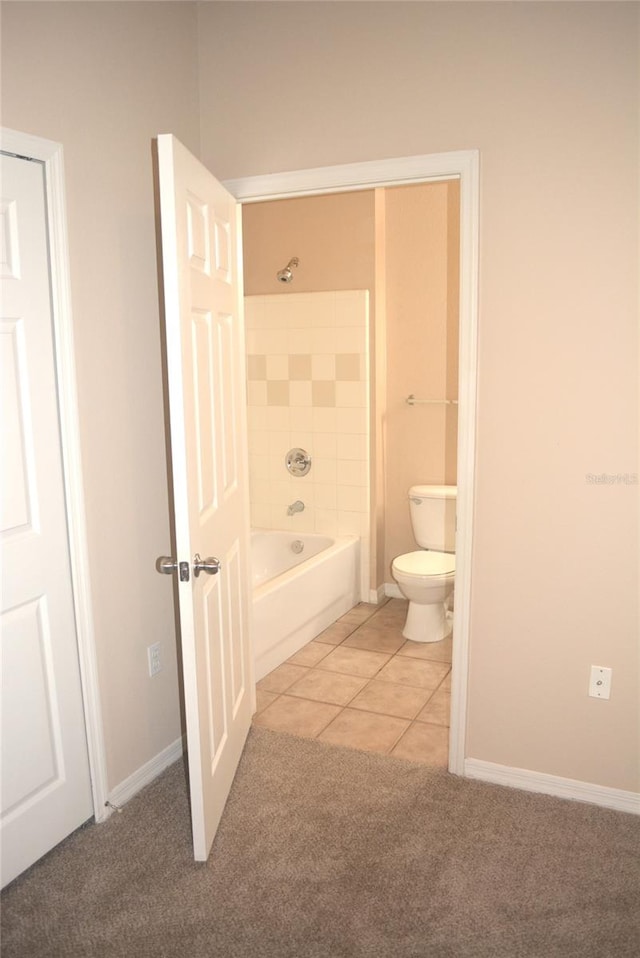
(548,93)
(103,79)
(422,259)
(333,237)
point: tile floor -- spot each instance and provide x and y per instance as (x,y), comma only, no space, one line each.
(361,684)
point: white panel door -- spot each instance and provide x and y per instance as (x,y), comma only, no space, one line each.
(46,788)
(207,403)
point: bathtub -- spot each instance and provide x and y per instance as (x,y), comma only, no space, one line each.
(301,584)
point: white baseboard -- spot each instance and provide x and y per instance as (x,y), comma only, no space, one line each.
(529,781)
(392,590)
(121,794)
(377,595)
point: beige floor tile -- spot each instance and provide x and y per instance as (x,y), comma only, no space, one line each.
(359,613)
(388,698)
(428,744)
(375,638)
(395,611)
(397,605)
(445,685)
(281,678)
(364,730)
(434,651)
(297,716)
(332,687)
(263,699)
(336,633)
(310,654)
(354,661)
(437,709)
(419,672)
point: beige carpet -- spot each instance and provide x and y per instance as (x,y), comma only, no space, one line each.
(325,852)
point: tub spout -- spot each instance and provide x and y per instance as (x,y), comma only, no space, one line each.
(296,506)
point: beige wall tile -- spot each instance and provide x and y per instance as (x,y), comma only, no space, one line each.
(324,420)
(325,444)
(348,366)
(278,393)
(323,366)
(257,393)
(300,393)
(299,341)
(352,446)
(351,394)
(325,495)
(352,472)
(324,341)
(256,367)
(277,366)
(300,366)
(323,393)
(353,420)
(301,418)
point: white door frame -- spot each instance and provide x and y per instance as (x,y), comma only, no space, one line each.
(464,165)
(51,155)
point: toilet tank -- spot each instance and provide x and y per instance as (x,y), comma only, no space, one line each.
(433,516)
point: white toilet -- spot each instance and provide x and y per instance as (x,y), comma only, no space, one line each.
(426,577)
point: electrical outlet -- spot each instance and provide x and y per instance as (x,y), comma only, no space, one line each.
(153,655)
(600,682)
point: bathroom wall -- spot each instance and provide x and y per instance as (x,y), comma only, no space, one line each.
(308,387)
(422,240)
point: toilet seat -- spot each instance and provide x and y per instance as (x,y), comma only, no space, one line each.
(426,563)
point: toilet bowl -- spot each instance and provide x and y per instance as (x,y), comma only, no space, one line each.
(426,577)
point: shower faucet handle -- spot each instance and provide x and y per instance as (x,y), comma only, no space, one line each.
(298,462)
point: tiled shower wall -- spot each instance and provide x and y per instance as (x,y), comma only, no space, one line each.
(308,387)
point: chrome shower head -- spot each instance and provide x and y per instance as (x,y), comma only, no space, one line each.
(286,275)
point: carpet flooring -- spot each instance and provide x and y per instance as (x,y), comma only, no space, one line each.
(326,852)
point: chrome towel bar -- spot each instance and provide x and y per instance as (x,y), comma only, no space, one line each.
(412,401)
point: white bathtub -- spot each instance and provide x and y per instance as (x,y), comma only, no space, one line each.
(296,595)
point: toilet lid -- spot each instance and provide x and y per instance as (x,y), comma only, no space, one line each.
(426,563)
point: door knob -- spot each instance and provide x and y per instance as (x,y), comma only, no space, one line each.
(167,565)
(210,565)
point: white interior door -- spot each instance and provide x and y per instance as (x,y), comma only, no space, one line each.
(46,788)
(207,402)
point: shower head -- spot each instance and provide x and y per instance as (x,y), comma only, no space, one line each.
(286,275)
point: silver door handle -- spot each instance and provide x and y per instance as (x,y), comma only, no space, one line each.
(167,565)
(210,565)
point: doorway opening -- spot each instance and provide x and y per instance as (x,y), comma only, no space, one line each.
(331,367)
(463,168)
